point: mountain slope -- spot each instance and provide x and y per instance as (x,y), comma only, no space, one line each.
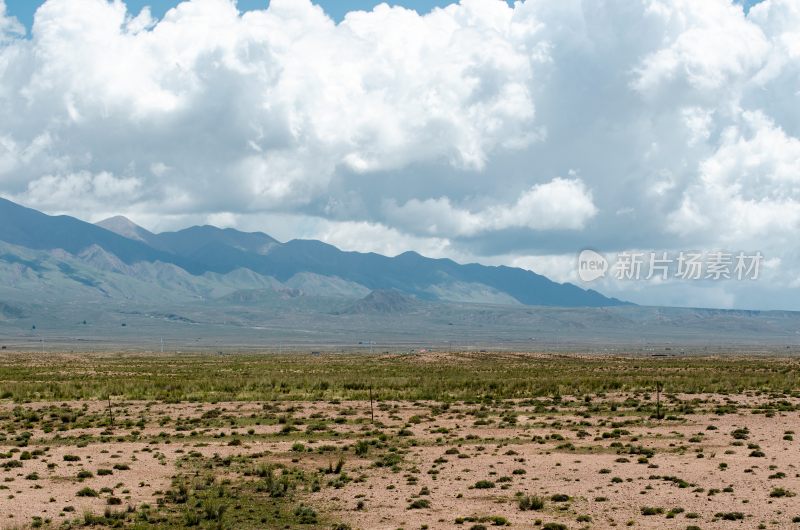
(124,227)
(412,273)
(29,228)
(202,250)
(382,302)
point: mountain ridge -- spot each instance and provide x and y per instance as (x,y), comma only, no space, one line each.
(117,244)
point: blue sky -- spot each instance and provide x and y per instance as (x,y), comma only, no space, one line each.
(24,9)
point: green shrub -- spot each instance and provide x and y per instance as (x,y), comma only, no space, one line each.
(305,515)
(87,492)
(528,502)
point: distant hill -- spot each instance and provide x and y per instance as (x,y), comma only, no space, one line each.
(382,303)
(199,260)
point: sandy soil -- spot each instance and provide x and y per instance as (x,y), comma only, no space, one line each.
(553,448)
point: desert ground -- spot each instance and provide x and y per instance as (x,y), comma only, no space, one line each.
(448,441)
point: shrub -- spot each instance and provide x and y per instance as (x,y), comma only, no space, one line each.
(214,511)
(780,492)
(191,518)
(528,502)
(361,448)
(305,515)
(87,492)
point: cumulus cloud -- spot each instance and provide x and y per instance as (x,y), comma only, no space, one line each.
(748,191)
(268,104)
(712,45)
(672,123)
(376,237)
(561,204)
(82,190)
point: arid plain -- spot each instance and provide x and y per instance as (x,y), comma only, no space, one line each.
(449,440)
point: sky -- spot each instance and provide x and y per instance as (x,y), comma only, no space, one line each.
(515,134)
(24,10)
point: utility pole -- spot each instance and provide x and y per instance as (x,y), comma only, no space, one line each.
(162,344)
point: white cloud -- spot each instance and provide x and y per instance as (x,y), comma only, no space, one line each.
(375,237)
(268,104)
(441,132)
(699,122)
(711,45)
(748,191)
(80,191)
(561,204)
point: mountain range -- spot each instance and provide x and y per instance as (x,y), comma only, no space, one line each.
(114,284)
(212,260)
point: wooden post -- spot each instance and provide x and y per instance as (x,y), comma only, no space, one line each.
(371,410)
(110,412)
